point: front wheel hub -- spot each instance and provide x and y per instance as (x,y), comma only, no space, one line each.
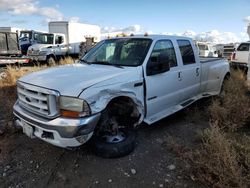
(119,137)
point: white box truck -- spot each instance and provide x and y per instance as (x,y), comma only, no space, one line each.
(63,39)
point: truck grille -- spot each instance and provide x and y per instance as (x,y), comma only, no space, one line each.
(38,100)
(33,52)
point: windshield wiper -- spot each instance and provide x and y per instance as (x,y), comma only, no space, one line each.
(107,63)
(84,61)
(101,62)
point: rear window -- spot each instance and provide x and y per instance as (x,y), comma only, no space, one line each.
(187,52)
(243,47)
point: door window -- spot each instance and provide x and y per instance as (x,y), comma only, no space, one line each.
(58,39)
(243,47)
(187,52)
(166,48)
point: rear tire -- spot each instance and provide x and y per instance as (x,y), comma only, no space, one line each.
(222,90)
(108,146)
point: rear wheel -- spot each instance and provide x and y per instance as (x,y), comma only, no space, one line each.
(222,90)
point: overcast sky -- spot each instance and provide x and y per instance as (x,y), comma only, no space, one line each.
(215,20)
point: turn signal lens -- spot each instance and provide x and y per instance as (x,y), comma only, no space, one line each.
(70,114)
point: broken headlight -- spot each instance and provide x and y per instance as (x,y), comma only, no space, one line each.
(73,107)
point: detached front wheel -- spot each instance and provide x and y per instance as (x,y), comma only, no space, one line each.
(109,145)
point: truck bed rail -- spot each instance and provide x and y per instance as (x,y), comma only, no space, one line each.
(209,59)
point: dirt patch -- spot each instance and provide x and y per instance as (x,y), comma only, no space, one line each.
(26,163)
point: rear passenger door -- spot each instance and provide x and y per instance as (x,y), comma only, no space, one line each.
(190,73)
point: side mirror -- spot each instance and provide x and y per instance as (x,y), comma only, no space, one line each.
(158,64)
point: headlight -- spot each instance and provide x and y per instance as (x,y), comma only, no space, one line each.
(73,107)
(42,53)
(29,52)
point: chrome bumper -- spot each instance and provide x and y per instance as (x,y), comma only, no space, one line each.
(37,57)
(63,129)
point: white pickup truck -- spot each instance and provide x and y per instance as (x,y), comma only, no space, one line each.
(241,57)
(118,84)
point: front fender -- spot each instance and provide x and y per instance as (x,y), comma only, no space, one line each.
(99,101)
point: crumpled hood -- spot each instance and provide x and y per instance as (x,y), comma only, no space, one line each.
(70,80)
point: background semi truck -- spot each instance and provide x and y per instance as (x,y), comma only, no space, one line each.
(27,38)
(9,49)
(63,39)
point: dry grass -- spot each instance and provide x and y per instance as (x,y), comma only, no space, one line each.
(233,110)
(223,159)
(218,163)
(65,61)
(11,74)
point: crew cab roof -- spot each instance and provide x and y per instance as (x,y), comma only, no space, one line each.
(156,37)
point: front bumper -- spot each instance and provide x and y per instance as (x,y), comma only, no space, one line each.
(37,57)
(63,132)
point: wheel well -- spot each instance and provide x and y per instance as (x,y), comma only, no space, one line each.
(227,76)
(225,79)
(124,106)
(51,55)
(121,110)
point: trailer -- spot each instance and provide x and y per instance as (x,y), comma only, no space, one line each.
(9,50)
(11,29)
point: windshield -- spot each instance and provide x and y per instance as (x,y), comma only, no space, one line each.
(26,34)
(44,38)
(123,52)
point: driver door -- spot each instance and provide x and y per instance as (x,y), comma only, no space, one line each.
(61,47)
(163,89)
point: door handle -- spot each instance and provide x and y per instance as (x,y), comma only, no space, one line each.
(179,75)
(197,71)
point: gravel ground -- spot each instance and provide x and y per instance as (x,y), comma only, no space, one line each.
(26,162)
